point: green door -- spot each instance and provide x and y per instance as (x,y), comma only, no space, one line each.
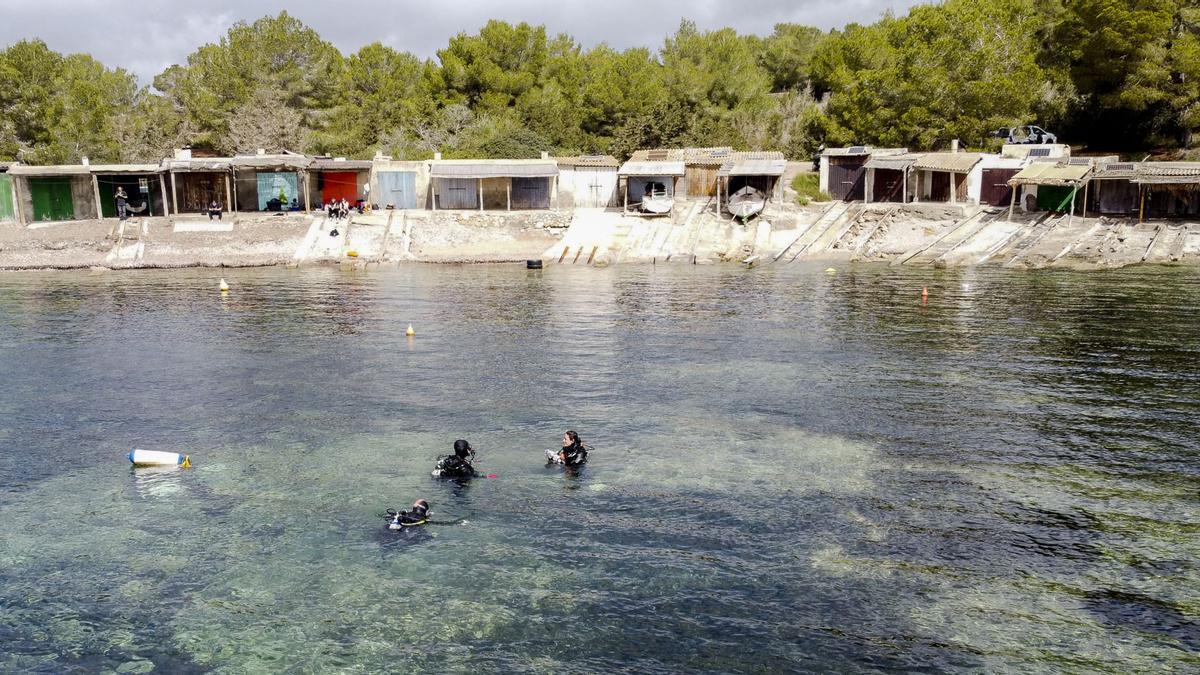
(7,212)
(1055,198)
(52,198)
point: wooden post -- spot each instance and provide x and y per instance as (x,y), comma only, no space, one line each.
(17,200)
(953,189)
(96,195)
(228,197)
(1085,191)
(904,185)
(304,177)
(235,203)
(508,193)
(480,183)
(1071,213)
(554,188)
(1013,201)
(162,187)
(1141,204)
(626,210)
(174,194)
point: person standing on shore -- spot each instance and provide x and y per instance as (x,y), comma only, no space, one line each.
(122,203)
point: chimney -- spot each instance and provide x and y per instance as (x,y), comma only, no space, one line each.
(84,161)
(183,153)
(261,151)
(437,156)
(545,155)
(954,145)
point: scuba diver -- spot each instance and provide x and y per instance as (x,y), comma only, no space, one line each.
(418,516)
(573,453)
(457,465)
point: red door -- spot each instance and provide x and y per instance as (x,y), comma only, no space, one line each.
(339,185)
(996,190)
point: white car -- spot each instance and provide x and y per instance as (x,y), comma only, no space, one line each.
(1025,134)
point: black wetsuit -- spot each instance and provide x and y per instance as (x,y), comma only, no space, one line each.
(406,519)
(453,466)
(574,455)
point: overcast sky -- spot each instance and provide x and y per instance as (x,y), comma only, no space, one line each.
(147,36)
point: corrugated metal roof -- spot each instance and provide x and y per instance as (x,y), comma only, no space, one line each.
(290,161)
(1168,173)
(651,168)
(864,150)
(589,161)
(1115,171)
(209,164)
(493,168)
(327,164)
(51,170)
(715,156)
(955,162)
(753,167)
(893,162)
(1046,173)
(126,168)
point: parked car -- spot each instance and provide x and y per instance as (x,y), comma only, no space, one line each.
(1025,134)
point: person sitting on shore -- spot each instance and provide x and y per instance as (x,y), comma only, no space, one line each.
(416,517)
(214,210)
(573,453)
(459,465)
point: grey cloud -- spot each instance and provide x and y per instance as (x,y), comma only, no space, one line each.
(147,37)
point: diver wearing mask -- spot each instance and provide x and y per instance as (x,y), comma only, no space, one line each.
(416,517)
(459,464)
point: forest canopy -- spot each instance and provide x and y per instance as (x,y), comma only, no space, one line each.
(1113,75)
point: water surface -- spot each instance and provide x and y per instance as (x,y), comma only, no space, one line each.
(793,470)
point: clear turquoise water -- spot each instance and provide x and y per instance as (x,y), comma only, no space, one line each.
(793,471)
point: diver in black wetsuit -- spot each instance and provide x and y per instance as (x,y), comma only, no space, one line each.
(573,454)
(418,516)
(457,465)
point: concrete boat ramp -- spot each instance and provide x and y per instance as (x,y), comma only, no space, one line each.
(931,235)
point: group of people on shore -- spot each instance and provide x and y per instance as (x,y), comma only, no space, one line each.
(461,466)
(339,209)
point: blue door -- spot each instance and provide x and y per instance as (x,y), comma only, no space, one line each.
(398,189)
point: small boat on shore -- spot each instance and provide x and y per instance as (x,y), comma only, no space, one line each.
(656,200)
(746,202)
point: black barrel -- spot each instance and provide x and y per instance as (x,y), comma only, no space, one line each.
(533,264)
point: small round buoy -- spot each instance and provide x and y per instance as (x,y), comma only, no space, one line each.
(533,264)
(224,286)
(924,292)
(410,332)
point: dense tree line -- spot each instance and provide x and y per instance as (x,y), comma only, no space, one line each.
(1110,74)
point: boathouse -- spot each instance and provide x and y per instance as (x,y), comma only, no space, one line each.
(843,170)
(889,178)
(331,178)
(1050,186)
(496,184)
(266,182)
(397,184)
(51,193)
(947,177)
(196,182)
(8,195)
(761,171)
(653,179)
(587,181)
(1169,189)
(144,185)
(1114,192)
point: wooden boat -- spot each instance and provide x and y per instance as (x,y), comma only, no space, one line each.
(746,202)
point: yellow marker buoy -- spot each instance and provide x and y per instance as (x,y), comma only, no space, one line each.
(351,254)
(224,286)
(410,332)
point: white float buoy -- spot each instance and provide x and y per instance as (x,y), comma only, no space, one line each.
(224,286)
(139,457)
(410,332)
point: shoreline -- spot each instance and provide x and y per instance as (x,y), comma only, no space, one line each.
(922,235)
